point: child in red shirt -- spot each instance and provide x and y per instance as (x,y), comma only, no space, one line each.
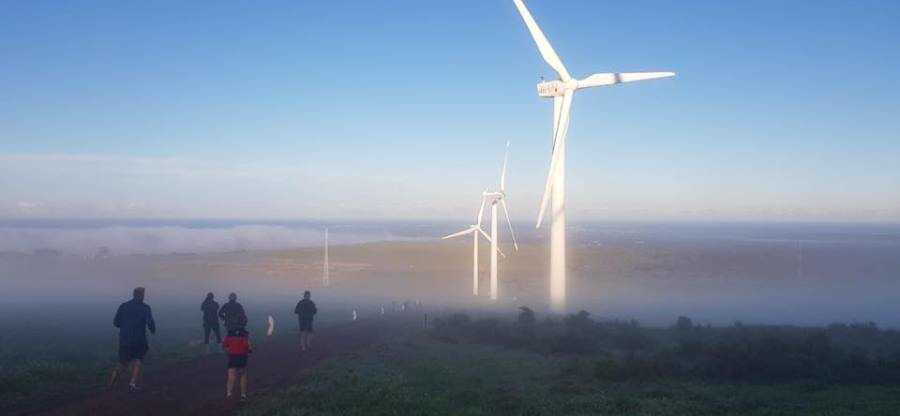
(237,345)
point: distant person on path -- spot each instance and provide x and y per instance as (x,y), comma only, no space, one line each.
(232,313)
(306,311)
(237,345)
(133,318)
(210,310)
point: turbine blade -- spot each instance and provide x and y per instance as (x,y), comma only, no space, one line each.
(559,138)
(486,237)
(480,213)
(599,80)
(543,44)
(463,232)
(503,171)
(509,223)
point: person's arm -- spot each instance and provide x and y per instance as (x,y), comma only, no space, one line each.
(313,307)
(297,309)
(222,312)
(117,321)
(150,322)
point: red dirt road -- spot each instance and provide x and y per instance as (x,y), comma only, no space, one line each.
(198,387)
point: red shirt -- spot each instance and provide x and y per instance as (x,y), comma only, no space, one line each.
(236,345)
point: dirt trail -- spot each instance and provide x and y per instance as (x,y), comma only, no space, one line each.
(198,387)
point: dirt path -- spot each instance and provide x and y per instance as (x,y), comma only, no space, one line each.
(198,387)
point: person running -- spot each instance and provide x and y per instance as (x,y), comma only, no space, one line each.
(210,310)
(237,345)
(133,318)
(305,311)
(232,313)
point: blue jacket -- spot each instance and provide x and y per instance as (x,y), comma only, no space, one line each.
(133,319)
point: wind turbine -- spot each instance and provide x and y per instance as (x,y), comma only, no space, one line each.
(498,198)
(562,91)
(326,276)
(476,231)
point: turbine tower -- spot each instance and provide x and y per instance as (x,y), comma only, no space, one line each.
(476,231)
(326,277)
(496,199)
(562,91)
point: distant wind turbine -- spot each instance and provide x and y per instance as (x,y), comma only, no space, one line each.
(476,231)
(326,276)
(562,91)
(498,198)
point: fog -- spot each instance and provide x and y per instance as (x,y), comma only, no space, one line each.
(810,274)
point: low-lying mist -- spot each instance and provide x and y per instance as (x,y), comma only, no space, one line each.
(718,274)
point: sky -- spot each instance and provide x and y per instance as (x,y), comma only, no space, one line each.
(781,111)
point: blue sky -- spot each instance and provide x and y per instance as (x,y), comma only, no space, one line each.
(400,109)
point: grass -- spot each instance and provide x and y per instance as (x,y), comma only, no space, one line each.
(422,376)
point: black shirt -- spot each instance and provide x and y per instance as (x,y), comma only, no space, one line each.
(133,318)
(233,315)
(305,310)
(210,310)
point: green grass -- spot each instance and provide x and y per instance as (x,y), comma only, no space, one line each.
(426,377)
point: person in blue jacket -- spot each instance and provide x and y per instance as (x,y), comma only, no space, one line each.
(133,318)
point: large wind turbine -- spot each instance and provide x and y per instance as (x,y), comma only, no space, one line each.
(476,231)
(562,91)
(498,198)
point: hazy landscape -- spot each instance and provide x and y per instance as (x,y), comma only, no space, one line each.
(716,274)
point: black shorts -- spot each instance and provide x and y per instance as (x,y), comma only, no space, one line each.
(237,360)
(128,353)
(306,325)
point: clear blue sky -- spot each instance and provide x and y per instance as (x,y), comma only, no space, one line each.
(400,109)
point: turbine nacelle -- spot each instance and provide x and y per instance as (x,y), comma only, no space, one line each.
(550,89)
(559,88)
(492,198)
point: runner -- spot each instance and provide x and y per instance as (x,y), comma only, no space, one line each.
(237,345)
(232,313)
(210,310)
(133,318)
(306,311)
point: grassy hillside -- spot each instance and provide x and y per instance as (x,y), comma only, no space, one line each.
(490,367)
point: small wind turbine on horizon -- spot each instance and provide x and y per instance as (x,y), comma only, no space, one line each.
(326,275)
(562,91)
(498,198)
(476,231)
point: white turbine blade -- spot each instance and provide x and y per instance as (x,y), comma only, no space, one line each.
(480,213)
(543,44)
(486,236)
(503,171)
(599,80)
(558,139)
(509,223)
(463,232)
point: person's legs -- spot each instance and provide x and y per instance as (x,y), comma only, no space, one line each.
(135,372)
(229,385)
(218,333)
(302,340)
(206,331)
(243,383)
(114,376)
(309,336)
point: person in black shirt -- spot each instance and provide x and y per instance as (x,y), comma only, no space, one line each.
(210,310)
(133,318)
(305,311)
(232,313)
